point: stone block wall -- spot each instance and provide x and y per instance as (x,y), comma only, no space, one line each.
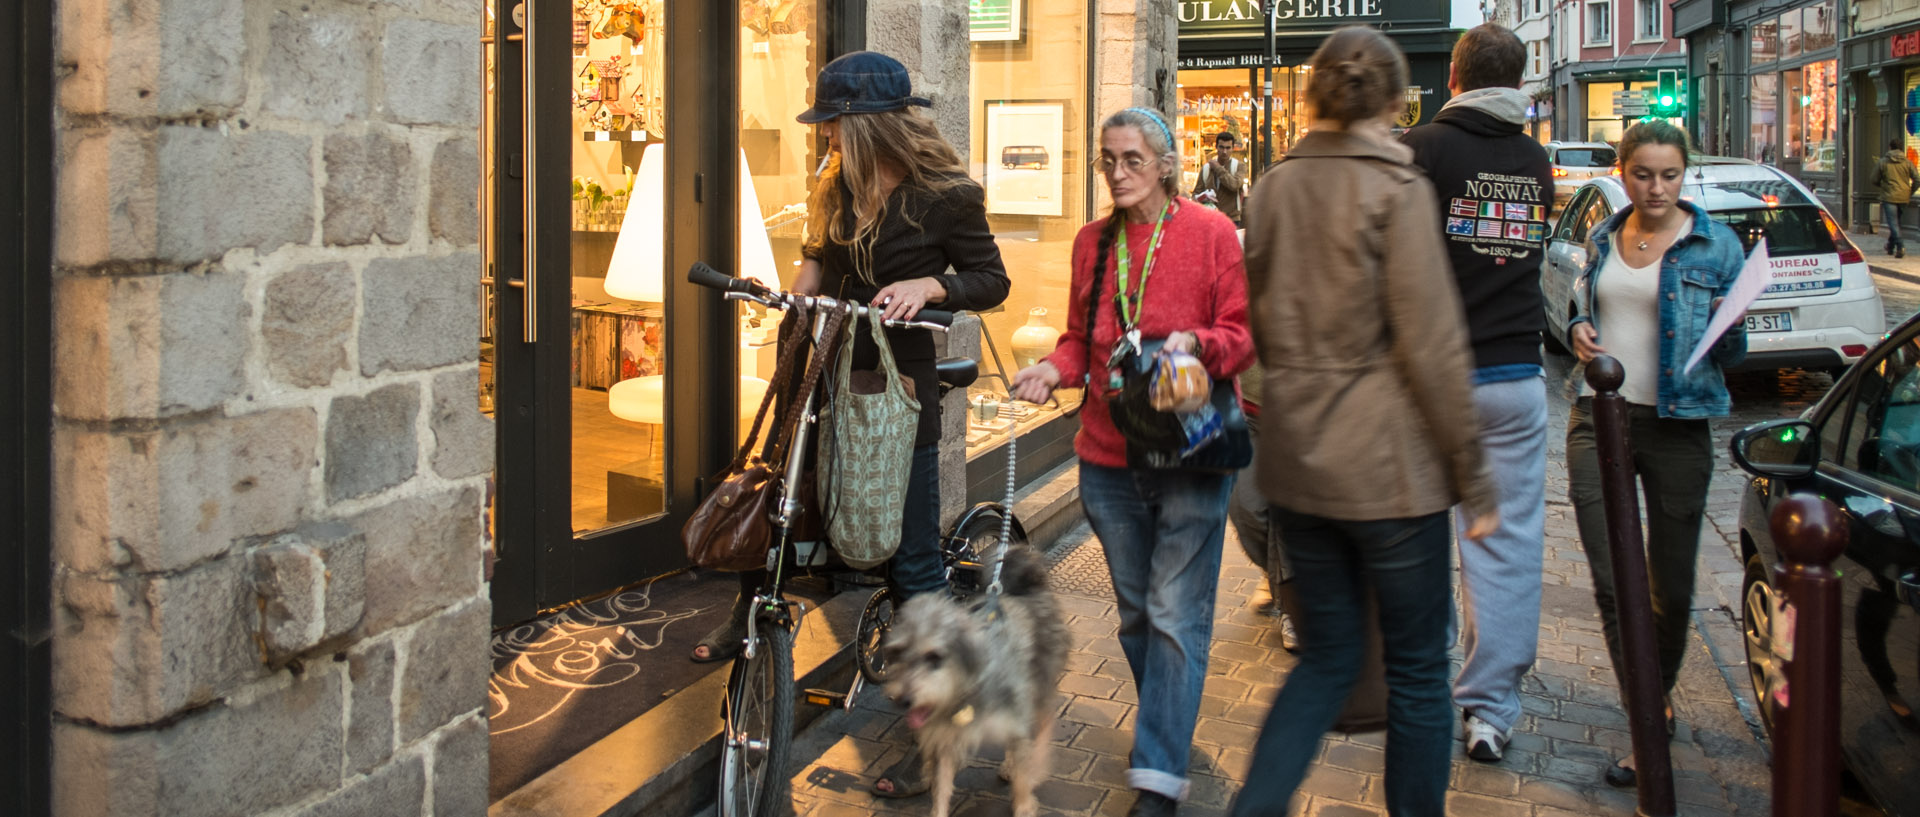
(269,464)
(1135,63)
(930,38)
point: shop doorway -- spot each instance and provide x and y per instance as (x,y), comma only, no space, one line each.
(601,365)
(1232,100)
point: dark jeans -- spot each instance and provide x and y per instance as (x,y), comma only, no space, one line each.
(1674,460)
(1890,219)
(1406,564)
(915,567)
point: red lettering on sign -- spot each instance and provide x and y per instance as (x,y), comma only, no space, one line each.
(1905,45)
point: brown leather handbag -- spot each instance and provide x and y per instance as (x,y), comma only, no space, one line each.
(732,530)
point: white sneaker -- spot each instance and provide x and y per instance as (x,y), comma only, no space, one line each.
(1484,742)
(1289,638)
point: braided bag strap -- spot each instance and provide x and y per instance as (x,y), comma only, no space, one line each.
(790,345)
(776,449)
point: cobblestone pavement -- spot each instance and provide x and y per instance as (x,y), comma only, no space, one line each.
(1572,729)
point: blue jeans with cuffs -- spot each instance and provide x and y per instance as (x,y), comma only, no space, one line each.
(1162,532)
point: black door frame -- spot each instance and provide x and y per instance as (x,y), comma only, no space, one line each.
(26,412)
(542,564)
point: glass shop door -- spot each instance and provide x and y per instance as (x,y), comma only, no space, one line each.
(600,361)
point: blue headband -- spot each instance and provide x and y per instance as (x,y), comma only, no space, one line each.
(1157,120)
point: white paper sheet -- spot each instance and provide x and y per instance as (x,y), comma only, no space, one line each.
(1755,275)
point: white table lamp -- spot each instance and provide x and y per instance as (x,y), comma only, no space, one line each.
(637,271)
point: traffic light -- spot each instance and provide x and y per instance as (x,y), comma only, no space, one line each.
(1668,98)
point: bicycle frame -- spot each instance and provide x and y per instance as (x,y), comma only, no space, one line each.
(771,598)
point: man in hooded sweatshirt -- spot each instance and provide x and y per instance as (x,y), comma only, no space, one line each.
(1495,186)
(1896,179)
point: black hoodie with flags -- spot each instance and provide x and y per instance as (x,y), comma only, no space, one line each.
(1495,187)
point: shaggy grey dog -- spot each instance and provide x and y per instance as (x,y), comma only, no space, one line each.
(969,675)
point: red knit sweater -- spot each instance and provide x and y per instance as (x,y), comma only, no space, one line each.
(1198,285)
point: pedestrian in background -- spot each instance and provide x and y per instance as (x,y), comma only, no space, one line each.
(1897,180)
(1656,270)
(1368,428)
(1175,274)
(1223,179)
(1479,157)
(1253,523)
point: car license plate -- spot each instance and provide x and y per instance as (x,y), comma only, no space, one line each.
(1769,322)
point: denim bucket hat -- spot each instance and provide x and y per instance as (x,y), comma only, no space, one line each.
(861,82)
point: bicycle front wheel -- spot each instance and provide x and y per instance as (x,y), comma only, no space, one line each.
(759,726)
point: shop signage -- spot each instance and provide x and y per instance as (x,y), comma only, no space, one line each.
(1248,16)
(1230,61)
(1905,45)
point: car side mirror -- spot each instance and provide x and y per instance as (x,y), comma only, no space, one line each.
(1784,449)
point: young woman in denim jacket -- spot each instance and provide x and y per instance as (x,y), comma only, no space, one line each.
(1656,272)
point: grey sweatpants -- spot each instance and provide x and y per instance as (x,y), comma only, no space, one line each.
(1500,575)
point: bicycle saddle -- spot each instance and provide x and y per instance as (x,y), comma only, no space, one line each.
(957,372)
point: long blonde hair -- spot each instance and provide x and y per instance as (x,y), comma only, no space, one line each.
(902,138)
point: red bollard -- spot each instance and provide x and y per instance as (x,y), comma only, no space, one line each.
(1640,677)
(1810,533)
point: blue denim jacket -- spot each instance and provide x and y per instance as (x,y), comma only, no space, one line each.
(1698,268)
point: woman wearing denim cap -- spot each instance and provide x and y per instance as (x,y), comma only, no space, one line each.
(891,212)
(1368,430)
(1174,273)
(1656,272)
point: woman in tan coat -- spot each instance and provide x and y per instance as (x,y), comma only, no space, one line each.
(1367,423)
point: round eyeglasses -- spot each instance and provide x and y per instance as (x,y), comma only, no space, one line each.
(1132,164)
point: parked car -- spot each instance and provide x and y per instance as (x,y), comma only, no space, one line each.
(1576,162)
(1859,448)
(1822,310)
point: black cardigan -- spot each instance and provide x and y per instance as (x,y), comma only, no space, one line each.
(952,233)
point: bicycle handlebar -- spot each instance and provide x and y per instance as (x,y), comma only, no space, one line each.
(938,320)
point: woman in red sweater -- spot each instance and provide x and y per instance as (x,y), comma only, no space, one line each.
(1170,269)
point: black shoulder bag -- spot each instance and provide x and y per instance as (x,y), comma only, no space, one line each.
(1155,438)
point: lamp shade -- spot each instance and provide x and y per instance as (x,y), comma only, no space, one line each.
(638,269)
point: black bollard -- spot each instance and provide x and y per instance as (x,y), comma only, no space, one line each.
(1633,604)
(1810,533)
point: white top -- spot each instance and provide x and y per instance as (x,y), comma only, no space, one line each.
(1628,299)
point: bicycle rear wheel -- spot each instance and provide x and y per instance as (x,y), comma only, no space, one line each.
(875,621)
(974,541)
(759,725)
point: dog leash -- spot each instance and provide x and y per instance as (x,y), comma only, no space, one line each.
(994,587)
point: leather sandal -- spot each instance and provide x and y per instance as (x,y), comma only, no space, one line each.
(907,778)
(725,641)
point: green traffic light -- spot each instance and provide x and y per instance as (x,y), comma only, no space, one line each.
(1666,102)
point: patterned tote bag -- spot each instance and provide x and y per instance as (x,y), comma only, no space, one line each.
(867,454)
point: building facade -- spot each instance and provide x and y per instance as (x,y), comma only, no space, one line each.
(1766,86)
(371,341)
(1600,47)
(1880,96)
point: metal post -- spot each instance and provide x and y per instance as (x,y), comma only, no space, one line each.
(1253,127)
(1640,673)
(1266,156)
(1811,533)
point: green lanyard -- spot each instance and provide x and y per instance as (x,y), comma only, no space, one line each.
(1131,306)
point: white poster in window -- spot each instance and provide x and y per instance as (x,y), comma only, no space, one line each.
(1023,160)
